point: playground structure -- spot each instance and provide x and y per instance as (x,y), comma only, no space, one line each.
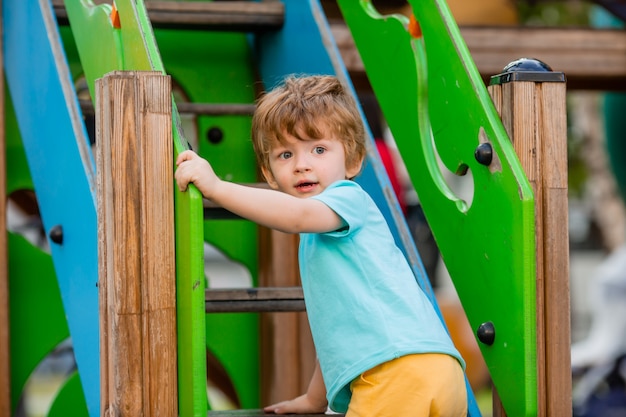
(45,126)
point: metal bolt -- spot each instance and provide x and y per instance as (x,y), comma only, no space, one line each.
(486,333)
(56,234)
(484,154)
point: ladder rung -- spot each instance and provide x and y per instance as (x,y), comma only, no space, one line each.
(214,212)
(259,413)
(259,299)
(200,109)
(239,16)
(210,109)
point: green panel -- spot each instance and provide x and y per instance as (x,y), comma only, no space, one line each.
(37,318)
(190,306)
(70,400)
(233,338)
(435,102)
(215,67)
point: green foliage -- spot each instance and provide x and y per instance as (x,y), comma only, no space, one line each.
(547,13)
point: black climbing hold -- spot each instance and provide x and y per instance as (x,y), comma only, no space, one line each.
(56,234)
(484,154)
(486,333)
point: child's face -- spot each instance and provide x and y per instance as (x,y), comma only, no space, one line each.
(304,168)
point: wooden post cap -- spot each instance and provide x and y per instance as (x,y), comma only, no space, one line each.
(527,69)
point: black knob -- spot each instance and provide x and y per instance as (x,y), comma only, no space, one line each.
(527,69)
(56,234)
(527,64)
(484,154)
(486,333)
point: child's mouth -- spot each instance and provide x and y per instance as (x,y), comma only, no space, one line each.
(306,186)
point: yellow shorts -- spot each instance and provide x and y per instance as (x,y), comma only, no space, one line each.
(411,386)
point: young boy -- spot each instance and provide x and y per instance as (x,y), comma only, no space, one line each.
(382,350)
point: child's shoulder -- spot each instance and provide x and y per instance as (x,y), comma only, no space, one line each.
(345,185)
(346,197)
(344,190)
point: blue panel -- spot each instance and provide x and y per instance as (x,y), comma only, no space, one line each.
(62,169)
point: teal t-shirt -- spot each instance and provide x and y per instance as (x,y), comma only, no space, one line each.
(363,302)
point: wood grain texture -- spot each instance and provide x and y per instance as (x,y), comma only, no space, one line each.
(534,115)
(592,59)
(551,109)
(137,291)
(247,16)
(254,300)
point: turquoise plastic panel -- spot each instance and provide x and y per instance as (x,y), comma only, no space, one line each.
(61,166)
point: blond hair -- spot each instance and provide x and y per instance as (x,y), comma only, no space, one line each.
(308,107)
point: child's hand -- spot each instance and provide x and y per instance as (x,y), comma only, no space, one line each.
(299,405)
(191,168)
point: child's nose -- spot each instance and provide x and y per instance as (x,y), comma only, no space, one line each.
(302,163)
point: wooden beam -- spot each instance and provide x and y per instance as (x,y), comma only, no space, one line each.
(589,58)
(198,109)
(137,278)
(260,413)
(5,363)
(257,299)
(245,16)
(592,59)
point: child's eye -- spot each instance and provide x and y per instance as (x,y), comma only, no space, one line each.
(319,150)
(285,155)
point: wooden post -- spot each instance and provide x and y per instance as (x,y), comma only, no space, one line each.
(5,363)
(531,101)
(137,283)
(287,352)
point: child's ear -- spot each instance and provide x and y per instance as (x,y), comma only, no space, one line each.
(353,171)
(267,174)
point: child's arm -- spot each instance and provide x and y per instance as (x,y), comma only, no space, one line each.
(270,208)
(314,401)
